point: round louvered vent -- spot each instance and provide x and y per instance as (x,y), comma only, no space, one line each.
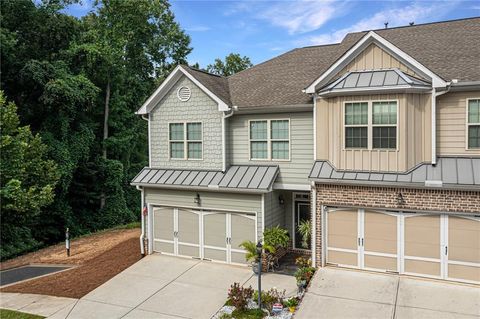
(184,93)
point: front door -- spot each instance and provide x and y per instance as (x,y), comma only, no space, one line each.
(302,214)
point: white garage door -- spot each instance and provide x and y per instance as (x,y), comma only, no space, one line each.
(436,246)
(202,234)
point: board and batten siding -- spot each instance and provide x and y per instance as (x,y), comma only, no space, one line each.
(375,58)
(199,108)
(413,134)
(294,171)
(236,202)
(274,212)
(452,124)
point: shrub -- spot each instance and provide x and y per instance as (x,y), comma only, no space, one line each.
(270,297)
(292,302)
(303,262)
(304,273)
(238,296)
(276,237)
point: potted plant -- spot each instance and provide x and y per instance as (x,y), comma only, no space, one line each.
(305,230)
(251,255)
(303,276)
(291,303)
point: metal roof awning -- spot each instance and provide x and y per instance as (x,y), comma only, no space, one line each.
(238,178)
(375,81)
(449,173)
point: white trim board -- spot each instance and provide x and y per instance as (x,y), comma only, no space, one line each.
(369,38)
(169,82)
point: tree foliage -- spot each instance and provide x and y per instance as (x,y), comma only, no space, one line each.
(59,70)
(233,63)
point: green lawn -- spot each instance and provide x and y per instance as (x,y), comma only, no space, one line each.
(11,314)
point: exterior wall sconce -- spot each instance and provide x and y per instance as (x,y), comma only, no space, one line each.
(281,201)
(196,199)
(400,199)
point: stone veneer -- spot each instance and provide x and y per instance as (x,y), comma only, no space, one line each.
(427,200)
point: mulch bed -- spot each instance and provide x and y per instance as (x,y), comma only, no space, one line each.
(77,282)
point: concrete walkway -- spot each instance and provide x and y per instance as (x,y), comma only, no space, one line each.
(155,287)
(339,293)
(36,304)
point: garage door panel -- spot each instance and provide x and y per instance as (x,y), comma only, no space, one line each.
(163,223)
(163,247)
(188,227)
(185,250)
(464,239)
(380,232)
(242,229)
(343,258)
(462,272)
(343,229)
(380,262)
(422,236)
(215,254)
(238,257)
(423,267)
(215,230)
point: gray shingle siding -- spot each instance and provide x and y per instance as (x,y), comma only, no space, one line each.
(199,107)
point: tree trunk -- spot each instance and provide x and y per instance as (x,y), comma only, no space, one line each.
(105,134)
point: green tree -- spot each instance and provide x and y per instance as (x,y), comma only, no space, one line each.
(233,63)
(27,181)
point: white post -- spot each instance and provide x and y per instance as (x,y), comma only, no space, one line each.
(314,224)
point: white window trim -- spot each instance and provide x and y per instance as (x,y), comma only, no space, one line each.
(370,126)
(269,141)
(184,141)
(467,125)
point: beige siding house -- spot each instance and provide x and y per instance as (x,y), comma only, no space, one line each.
(374,140)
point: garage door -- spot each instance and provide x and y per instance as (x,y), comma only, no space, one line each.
(202,234)
(436,246)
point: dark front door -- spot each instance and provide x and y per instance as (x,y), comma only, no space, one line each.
(302,213)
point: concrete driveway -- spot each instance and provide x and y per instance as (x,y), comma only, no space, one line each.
(339,293)
(159,286)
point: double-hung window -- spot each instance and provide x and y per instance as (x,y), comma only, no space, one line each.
(185,140)
(269,139)
(473,123)
(371,125)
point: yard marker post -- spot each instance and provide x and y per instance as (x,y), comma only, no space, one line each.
(67,241)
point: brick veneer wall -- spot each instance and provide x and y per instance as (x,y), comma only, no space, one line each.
(427,200)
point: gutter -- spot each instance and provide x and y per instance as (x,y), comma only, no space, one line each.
(142,235)
(436,94)
(212,188)
(224,136)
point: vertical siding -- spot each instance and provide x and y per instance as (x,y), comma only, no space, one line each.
(294,171)
(413,134)
(452,124)
(373,57)
(274,212)
(209,201)
(200,107)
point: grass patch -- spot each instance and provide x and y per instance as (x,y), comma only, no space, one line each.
(11,314)
(245,314)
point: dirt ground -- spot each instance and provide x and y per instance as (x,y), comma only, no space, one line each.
(81,250)
(99,257)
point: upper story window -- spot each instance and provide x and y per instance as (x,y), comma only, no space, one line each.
(185,140)
(269,139)
(371,125)
(473,123)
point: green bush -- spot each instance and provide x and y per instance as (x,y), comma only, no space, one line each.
(270,297)
(276,237)
(238,296)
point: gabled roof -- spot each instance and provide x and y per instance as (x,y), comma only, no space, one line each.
(449,172)
(381,81)
(241,178)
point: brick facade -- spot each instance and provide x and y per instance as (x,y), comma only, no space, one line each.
(427,200)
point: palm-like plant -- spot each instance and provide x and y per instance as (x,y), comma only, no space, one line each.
(305,229)
(251,249)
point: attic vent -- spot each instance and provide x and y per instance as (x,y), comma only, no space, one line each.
(184,94)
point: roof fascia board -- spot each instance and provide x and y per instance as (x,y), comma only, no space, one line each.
(372,37)
(374,90)
(166,85)
(275,108)
(204,188)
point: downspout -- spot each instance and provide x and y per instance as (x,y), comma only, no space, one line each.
(434,121)
(314,224)
(142,235)
(224,137)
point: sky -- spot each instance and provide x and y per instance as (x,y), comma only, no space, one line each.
(262,30)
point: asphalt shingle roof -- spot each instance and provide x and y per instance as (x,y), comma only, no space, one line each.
(450,49)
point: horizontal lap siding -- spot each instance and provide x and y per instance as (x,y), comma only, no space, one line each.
(451,123)
(294,171)
(274,212)
(208,200)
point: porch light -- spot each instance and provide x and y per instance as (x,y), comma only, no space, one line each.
(281,201)
(196,199)
(400,199)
